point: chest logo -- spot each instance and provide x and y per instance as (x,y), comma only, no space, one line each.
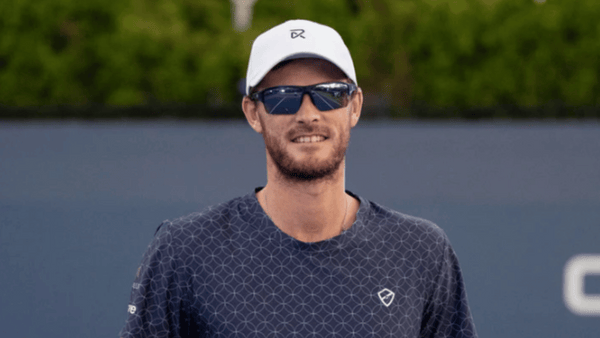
(386,296)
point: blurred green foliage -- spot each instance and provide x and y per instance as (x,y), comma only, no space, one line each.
(419,58)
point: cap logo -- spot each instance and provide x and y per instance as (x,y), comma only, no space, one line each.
(297,33)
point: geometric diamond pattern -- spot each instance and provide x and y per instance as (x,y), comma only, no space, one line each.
(230,272)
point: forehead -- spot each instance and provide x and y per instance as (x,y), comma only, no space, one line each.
(302,72)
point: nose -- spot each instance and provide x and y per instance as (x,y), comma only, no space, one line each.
(307,113)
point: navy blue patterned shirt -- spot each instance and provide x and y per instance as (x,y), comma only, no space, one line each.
(230,272)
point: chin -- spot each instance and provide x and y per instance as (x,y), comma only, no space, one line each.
(309,169)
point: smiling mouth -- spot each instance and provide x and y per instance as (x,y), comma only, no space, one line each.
(309,139)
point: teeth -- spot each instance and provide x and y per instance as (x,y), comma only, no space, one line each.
(309,139)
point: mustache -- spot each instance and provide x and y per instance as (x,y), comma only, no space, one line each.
(307,129)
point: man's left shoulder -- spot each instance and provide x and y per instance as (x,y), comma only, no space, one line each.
(398,224)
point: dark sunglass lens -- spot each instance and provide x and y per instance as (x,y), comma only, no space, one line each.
(329,96)
(282,100)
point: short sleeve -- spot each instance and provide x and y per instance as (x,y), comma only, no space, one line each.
(159,297)
(447,313)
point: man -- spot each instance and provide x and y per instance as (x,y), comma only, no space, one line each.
(301,257)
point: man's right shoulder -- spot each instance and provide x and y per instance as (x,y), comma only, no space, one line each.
(214,218)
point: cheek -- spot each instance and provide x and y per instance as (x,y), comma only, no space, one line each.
(271,130)
(278,125)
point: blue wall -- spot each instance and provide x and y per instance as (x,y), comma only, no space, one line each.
(79,203)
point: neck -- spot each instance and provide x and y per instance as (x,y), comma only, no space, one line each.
(308,211)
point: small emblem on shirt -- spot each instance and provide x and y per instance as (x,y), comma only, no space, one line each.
(297,33)
(386,296)
(131,309)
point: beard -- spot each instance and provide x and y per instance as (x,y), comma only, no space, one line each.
(310,169)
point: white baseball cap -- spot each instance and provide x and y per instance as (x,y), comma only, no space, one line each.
(296,39)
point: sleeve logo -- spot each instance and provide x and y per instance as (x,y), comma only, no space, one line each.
(131,309)
(386,296)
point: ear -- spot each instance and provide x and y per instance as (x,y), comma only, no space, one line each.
(251,110)
(356,107)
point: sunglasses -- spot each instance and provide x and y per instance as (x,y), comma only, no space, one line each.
(288,99)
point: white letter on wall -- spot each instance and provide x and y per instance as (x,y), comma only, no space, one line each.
(574,294)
